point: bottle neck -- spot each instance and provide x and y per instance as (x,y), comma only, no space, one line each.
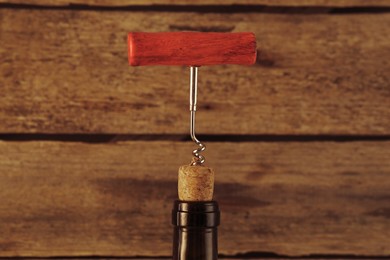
(195,230)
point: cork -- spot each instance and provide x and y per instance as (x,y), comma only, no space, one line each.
(196,183)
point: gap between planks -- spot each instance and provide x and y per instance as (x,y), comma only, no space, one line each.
(113,138)
(294,3)
(234,8)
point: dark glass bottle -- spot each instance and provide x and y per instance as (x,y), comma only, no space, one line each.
(195,230)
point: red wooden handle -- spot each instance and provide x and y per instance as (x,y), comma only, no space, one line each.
(191,48)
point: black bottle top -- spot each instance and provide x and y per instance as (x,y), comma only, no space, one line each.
(195,230)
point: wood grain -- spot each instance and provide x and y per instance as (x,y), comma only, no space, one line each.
(67,72)
(291,198)
(338,3)
(191,48)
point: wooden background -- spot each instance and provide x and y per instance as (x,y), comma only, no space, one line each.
(90,147)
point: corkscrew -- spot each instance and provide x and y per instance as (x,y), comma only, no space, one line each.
(198,159)
(192,49)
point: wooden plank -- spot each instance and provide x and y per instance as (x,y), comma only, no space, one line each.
(317,74)
(290,198)
(331,3)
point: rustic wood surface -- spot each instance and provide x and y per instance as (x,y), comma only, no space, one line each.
(337,3)
(115,199)
(67,72)
(63,70)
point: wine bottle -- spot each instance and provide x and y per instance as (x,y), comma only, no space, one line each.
(195,234)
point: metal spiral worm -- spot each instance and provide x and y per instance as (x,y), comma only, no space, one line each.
(198,158)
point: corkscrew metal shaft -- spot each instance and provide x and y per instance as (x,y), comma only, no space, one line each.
(198,158)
